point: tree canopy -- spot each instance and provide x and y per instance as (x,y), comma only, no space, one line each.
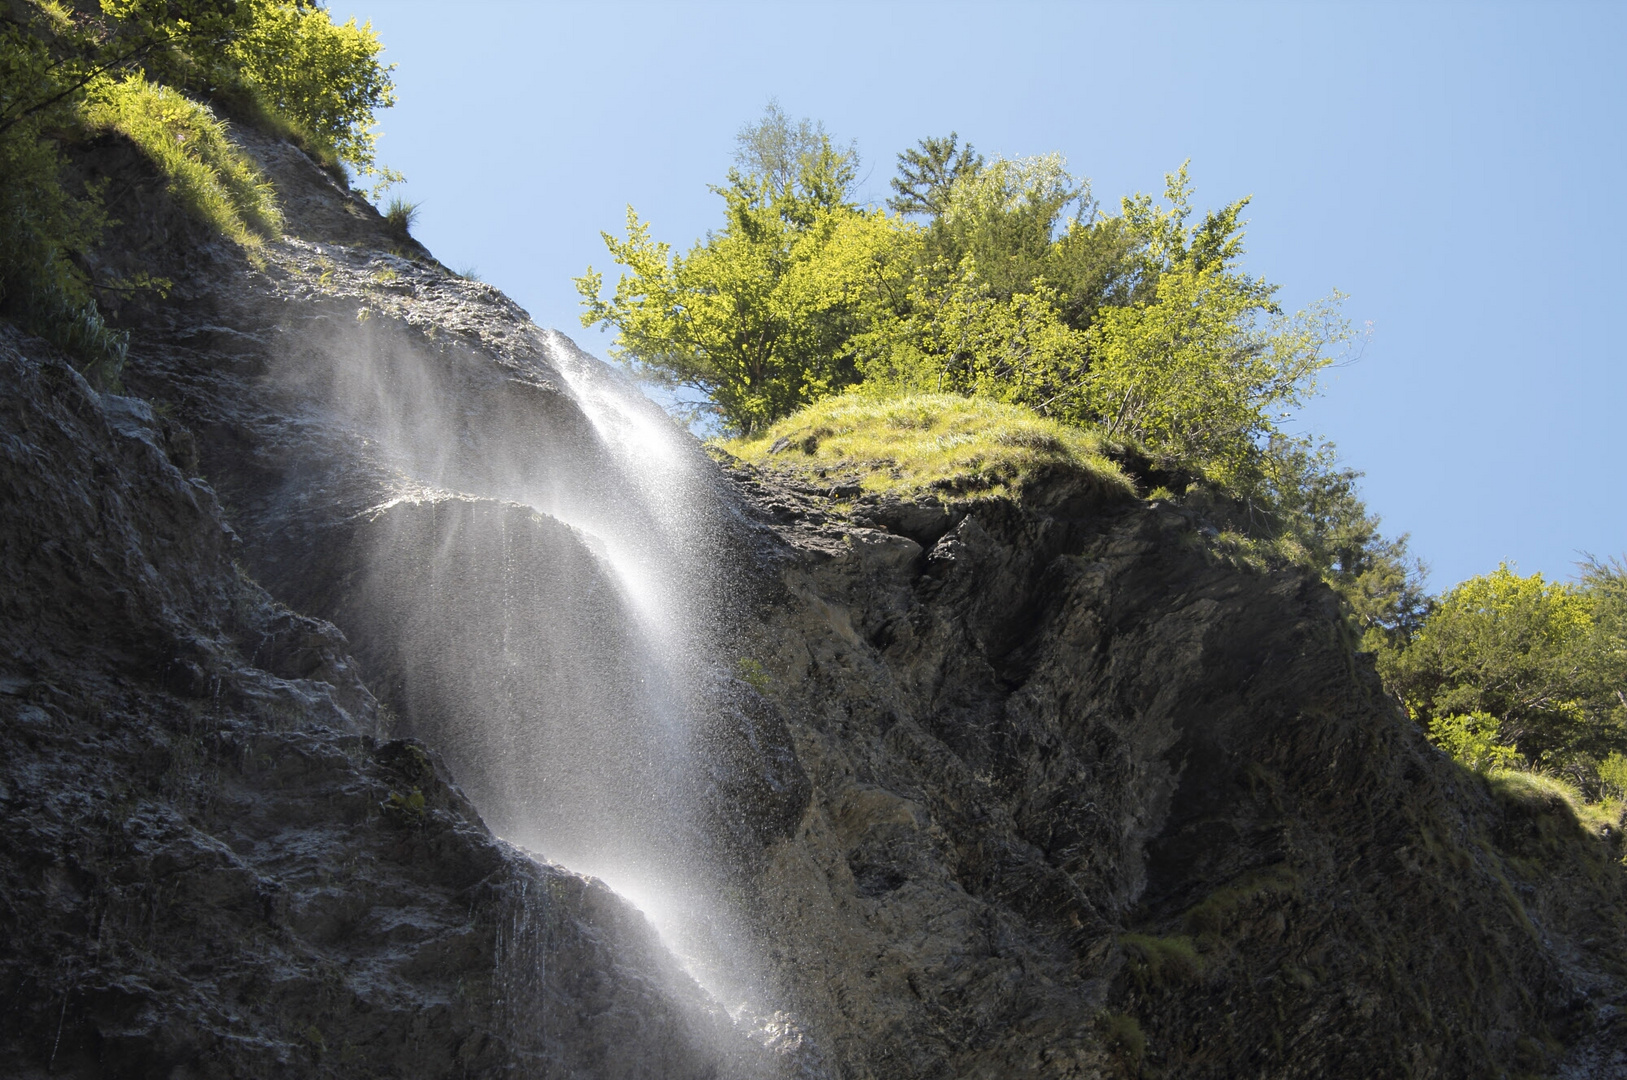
(760,317)
(1003,279)
(1536,667)
(1014,286)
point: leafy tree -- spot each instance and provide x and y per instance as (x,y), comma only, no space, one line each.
(1008,217)
(65,70)
(1305,495)
(982,315)
(777,149)
(324,77)
(1474,739)
(1003,217)
(760,317)
(956,335)
(1203,372)
(1530,653)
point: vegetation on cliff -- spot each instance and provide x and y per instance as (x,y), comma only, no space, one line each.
(1511,671)
(1001,281)
(992,323)
(164,74)
(1143,324)
(931,443)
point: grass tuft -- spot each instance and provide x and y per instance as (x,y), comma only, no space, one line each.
(1550,792)
(209,175)
(930,442)
(400,216)
(1122,1035)
(1162,962)
(1216,912)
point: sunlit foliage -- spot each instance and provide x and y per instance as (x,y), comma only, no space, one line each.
(1541,664)
(207,174)
(760,317)
(1001,280)
(162,73)
(932,444)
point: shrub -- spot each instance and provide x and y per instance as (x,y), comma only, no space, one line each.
(1472,739)
(1613,774)
(282,61)
(1162,962)
(1122,1035)
(323,77)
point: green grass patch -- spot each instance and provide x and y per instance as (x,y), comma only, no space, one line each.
(1217,911)
(1544,792)
(930,442)
(1122,1035)
(400,216)
(1161,962)
(207,174)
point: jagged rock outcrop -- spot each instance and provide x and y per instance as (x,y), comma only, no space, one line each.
(1044,786)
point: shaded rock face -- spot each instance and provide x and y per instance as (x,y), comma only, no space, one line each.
(1052,787)
(1092,798)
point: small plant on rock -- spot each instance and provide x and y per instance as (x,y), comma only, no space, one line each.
(400,216)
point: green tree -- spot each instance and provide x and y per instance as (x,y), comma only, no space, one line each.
(760,317)
(954,334)
(1474,739)
(1203,371)
(325,78)
(1522,650)
(1009,218)
(65,70)
(1304,494)
(927,173)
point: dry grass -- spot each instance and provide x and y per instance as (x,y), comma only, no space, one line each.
(929,442)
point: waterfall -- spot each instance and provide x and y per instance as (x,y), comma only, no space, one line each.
(539,598)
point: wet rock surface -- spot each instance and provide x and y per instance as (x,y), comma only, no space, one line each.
(217,862)
(1044,787)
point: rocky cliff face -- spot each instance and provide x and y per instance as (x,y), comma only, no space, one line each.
(1093,798)
(1047,786)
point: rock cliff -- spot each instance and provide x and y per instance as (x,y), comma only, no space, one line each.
(1050,785)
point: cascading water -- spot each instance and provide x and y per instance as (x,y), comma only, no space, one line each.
(540,600)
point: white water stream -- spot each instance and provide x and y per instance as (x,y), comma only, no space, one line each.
(549,576)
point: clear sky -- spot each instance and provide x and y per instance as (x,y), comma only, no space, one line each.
(1455,168)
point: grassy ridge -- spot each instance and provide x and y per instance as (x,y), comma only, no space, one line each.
(929,442)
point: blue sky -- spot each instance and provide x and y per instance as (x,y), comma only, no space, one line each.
(1454,168)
